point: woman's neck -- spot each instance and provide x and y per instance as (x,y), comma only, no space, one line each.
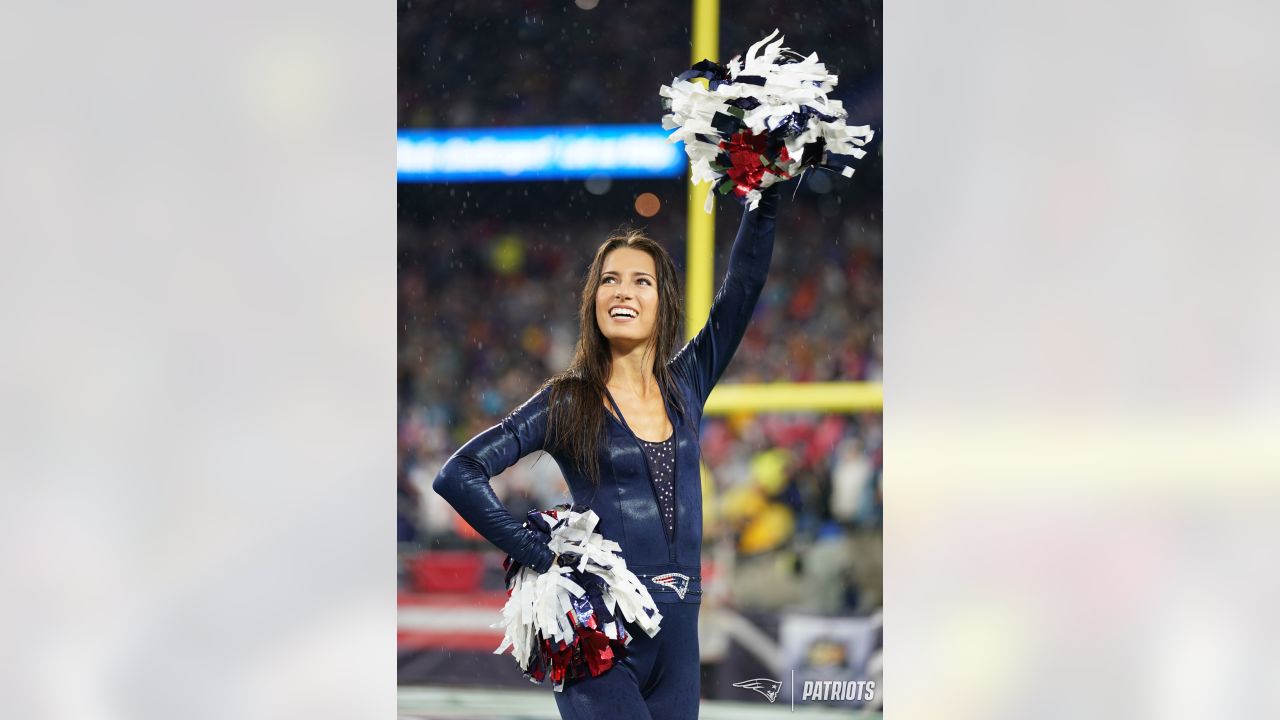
(632,370)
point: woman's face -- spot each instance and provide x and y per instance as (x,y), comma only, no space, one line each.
(627,298)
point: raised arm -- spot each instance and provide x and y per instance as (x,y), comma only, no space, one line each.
(706,356)
(464,481)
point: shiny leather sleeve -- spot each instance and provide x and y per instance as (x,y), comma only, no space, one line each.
(464,481)
(705,357)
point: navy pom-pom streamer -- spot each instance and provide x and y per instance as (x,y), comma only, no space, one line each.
(569,621)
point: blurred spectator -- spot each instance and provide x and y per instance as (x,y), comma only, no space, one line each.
(536,62)
(488,311)
(489,277)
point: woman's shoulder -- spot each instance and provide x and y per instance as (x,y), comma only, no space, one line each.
(683,381)
(532,410)
(564,390)
(681,367)
(563,386)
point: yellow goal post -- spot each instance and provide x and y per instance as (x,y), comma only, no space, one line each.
(700,277)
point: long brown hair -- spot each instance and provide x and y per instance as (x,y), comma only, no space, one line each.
(577,415)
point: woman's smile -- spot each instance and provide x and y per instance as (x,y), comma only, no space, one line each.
(623,313)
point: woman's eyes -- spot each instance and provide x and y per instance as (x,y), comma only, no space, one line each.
(610,279)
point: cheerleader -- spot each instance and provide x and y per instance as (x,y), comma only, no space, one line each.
(623,423)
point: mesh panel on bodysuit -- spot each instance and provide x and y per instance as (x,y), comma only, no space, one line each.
(662,462)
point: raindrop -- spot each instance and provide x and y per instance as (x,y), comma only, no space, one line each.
(819,182)
(598,184)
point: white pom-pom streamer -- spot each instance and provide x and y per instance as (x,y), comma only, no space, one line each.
(540,605)
(771,93)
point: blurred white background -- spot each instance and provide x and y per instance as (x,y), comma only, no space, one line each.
(197,378)
(1081,419)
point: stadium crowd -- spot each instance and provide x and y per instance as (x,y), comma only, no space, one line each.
(537,62)
(488,311)
(489,279)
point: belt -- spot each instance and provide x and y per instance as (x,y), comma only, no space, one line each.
(671,582)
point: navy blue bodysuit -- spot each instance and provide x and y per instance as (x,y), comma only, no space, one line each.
(661,537)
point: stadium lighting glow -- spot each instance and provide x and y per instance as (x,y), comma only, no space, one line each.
(537,153)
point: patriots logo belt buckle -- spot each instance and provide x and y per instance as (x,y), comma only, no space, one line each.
(676,581)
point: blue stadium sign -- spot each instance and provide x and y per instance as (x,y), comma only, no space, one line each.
(537,153)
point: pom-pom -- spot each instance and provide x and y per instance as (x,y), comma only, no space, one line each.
(569,621)
(760,120)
